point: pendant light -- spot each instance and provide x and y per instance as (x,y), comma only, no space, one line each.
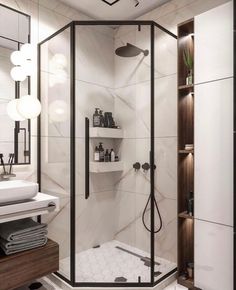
(18,74)
(29,107)
(13,112)
(17,57)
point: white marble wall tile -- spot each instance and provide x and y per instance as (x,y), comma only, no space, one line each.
(165,57)
(125,110)
(55,164)
(94,219)
(166,106)
(60,44)
(132,151)
(94,55)
(50,22)
(126,67)
(130,229)
(166,167)
(55,100)
(132,110)
(166,239)
(88,97)
(129,207)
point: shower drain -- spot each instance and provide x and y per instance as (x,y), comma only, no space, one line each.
(120,279)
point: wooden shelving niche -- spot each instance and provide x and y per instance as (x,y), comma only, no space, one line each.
(185,154)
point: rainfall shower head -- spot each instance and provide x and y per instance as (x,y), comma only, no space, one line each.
(130,50)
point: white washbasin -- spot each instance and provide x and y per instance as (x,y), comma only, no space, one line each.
(17,190)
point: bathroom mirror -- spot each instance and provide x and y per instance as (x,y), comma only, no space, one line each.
(15,135)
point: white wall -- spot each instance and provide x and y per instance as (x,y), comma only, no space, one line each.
(214,149)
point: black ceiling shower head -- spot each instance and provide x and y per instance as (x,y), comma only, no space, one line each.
(136,3)
(130,50)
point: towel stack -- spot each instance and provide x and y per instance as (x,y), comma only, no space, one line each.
(22,235)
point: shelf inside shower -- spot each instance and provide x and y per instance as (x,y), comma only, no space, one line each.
(97,132)
(101,167)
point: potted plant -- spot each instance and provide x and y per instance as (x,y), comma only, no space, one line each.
(188,61)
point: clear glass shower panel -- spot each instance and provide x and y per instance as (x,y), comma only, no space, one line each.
(55,138)
(112,244)
(165,154)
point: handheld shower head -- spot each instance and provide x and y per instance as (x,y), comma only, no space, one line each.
(130,50)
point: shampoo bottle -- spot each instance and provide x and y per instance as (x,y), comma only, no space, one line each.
(96,154)
(106,158)
(112,155)
(96,118)
(101,152)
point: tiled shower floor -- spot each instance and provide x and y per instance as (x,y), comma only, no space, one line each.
(106,263)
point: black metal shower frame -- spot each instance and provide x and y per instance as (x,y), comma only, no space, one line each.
(72,281)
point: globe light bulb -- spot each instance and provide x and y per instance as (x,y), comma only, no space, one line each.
(18,74)
(13,112)
(58,111)
(60,60)
(29,107)
(17,57)
(28,67)
(27,51)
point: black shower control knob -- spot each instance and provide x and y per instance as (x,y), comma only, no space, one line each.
(136,166)
(146,166)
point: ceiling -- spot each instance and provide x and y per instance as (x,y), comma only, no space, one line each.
(122,10)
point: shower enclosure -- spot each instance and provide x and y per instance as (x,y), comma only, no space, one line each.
(113,225)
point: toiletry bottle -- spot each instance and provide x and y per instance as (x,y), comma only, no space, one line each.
(101,152)
(112,155)
(106,157)
(101,119)
(96,154)
(96,118)
(116,158)
(190,201)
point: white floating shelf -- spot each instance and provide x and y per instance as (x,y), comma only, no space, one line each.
(100,167)
(97,132)
(39,205)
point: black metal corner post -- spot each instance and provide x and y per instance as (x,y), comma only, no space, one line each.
(234,146)
(39,121)
(152,152)
(29,93)
(72,154)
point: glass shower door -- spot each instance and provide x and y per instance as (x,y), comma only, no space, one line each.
(55,138)
(112,244)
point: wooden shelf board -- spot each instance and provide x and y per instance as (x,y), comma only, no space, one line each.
(186,151)
(186,283)
(186,87)
(22,268)
(185,215)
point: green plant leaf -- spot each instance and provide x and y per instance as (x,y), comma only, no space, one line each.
(188,60)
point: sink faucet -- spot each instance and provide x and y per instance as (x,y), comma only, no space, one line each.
(5,175)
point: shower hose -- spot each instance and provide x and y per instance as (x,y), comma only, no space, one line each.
(158,211)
